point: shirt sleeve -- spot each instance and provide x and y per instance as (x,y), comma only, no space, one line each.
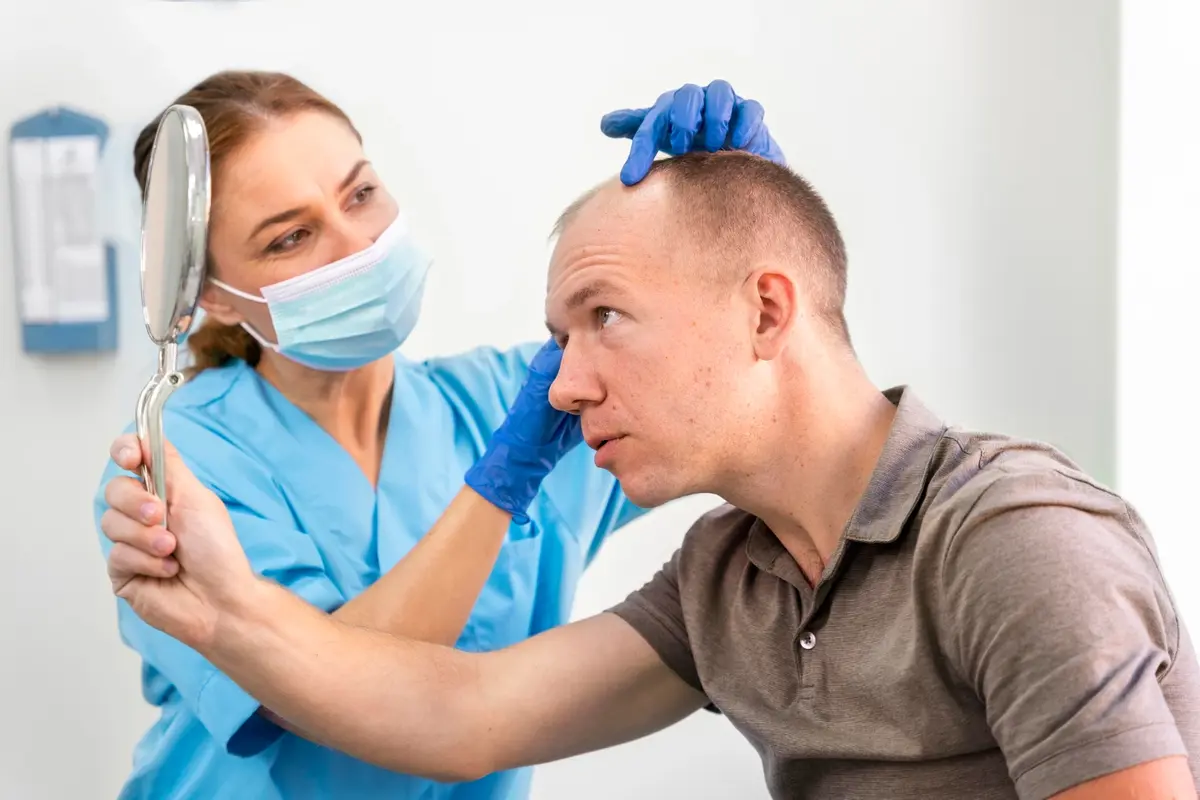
(1054,610)
(276,550)
(656,613)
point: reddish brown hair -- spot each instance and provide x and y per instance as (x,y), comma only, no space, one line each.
(233,105)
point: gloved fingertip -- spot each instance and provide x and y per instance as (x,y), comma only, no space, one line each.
(641,156)
(623,123)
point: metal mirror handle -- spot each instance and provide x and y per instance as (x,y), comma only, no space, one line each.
(149,417)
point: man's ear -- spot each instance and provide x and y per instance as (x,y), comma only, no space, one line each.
(774,296)
(215,305)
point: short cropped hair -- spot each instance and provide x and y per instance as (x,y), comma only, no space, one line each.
(738,206)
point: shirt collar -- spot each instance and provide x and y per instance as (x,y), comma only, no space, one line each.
(896,486)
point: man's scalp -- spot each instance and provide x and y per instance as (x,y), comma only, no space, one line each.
(739,209)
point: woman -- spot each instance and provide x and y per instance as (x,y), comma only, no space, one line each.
(334,455)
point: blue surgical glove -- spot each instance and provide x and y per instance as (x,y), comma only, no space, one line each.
(690,118)
(529,442)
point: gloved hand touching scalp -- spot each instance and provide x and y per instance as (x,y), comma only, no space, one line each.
(530,441)
(690,118)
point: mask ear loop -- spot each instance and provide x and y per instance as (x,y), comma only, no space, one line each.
(246,326)
(237,292)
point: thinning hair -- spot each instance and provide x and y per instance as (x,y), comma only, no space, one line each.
(738,208)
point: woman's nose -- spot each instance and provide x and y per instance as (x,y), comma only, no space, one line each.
(351,240)
(353,235)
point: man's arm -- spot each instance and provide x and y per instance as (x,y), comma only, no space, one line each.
(429,594)
(429,710)
(1163,779)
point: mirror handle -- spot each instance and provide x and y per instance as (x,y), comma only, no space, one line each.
(150,431)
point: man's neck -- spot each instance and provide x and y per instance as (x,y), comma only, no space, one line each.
(814,462)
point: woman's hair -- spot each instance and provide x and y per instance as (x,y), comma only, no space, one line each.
(233,105)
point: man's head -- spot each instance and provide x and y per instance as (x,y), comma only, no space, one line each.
(686,307)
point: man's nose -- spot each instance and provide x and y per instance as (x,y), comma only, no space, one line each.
(576,385)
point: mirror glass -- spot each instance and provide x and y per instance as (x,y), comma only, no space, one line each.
(174,224)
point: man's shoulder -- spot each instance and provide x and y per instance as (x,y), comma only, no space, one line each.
(976,474)
(1020,493)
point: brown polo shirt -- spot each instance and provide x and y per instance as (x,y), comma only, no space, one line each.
(994,624)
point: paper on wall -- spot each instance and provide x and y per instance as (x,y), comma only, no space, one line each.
(60,254)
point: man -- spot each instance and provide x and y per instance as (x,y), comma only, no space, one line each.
(886,608)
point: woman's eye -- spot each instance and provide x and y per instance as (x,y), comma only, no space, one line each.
(285,243)
(607,316)
(364,194)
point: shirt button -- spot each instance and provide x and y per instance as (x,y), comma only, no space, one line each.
(808,640)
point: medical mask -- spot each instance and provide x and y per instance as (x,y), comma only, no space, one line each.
(349,313)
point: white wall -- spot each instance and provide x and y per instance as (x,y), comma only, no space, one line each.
(1159,281)
(967,148)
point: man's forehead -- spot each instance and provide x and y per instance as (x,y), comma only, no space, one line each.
(615,221)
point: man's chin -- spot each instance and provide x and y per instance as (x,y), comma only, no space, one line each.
(643,493)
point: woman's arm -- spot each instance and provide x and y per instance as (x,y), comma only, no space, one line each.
(430,592)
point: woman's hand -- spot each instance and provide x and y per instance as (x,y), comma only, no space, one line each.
(530,441)
(687,119)
(179,581)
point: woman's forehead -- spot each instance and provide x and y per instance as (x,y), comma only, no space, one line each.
(298,153)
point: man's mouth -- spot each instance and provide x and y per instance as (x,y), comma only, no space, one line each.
(599,444)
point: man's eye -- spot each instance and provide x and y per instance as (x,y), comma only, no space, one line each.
(607,316)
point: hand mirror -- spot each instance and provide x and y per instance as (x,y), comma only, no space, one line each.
(174,237)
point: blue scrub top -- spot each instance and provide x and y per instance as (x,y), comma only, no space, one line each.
(309,519)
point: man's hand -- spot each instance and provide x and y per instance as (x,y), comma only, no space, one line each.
(690,118)
(199,568)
